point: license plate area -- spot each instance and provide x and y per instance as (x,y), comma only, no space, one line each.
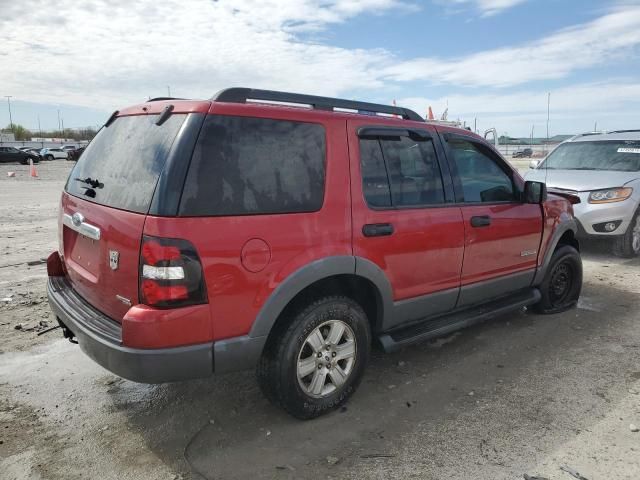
(82,254)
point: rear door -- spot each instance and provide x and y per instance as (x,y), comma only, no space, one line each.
(502,234)
(103,210)
(404,219)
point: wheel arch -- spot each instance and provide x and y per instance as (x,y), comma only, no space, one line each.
(354,277)
(564,234)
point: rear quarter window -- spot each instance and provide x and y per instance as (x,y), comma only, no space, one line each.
(246,165)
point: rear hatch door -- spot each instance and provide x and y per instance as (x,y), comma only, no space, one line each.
(104,206)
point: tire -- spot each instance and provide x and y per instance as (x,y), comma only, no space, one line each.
(628,245)
(48,157)
(294,349)
(562,283)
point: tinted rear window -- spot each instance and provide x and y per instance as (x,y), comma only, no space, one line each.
(121,166)
(245,165)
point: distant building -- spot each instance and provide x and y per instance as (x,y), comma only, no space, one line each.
(7,137)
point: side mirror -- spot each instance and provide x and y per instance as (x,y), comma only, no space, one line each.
(534,192)
(534,163)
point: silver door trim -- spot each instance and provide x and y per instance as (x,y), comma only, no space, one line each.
(82,227)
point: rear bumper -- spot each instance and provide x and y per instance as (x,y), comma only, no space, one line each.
(100,338)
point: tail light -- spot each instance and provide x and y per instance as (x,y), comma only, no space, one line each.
(170,273)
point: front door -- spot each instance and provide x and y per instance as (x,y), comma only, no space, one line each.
(502,234)
(404,220)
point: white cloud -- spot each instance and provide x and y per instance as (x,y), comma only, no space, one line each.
(109,53)
(573,109)
(611,38)
(117,52)
(488,8)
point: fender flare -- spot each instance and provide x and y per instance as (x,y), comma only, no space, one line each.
(566,224)
(313,272)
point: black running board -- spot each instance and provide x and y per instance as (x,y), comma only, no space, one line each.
(398,338)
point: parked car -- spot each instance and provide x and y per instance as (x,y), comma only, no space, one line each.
(53,153)
(232,234)
(604,171)
(74,155)
(35,151)
(527,152)
(12,154)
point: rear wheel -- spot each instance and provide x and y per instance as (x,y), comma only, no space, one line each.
(316,361)
(562,284)
(628,245)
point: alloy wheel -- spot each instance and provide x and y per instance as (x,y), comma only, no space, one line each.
(326,358)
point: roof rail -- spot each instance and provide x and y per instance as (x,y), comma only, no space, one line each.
(241,95)
(161,99)
(624,131)
(585,134)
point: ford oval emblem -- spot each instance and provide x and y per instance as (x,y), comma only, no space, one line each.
(77,219)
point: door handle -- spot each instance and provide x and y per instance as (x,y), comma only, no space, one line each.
(481,221)
(377,229)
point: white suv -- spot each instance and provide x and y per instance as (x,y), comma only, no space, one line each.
(603,169)
(53,153)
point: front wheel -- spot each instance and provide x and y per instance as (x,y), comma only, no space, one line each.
(315,362)
(628,245)
(562,283)
(48,157)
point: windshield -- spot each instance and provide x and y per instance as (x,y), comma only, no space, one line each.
(121,166)
(617,155)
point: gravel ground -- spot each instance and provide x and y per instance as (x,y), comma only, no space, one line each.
(521,394)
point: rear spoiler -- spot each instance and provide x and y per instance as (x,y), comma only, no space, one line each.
(572,197)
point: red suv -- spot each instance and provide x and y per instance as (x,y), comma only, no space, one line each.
(286,232)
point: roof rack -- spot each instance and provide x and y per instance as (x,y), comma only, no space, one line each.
(161,99)
(624,131)
(242,95)
(585,134)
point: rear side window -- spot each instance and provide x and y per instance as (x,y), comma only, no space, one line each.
(375,182)
(400,172)
(121,166)
(245,165)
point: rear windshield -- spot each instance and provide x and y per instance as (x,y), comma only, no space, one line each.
(121,166)
(245,165)
(618,155)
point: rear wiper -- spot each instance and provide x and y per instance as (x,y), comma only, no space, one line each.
(91,182)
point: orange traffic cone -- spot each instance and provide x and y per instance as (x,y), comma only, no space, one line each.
(32,169)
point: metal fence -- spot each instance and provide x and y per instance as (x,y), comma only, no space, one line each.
(538,150)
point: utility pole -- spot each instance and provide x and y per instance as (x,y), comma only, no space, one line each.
(475,124)
(8,97)
(548,112)
(58,120)
(595,126)
(168,91)
(40,130)
(532,127)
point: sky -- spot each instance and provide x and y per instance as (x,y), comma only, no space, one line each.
(492,63)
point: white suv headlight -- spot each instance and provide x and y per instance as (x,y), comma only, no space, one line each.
(610,195)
